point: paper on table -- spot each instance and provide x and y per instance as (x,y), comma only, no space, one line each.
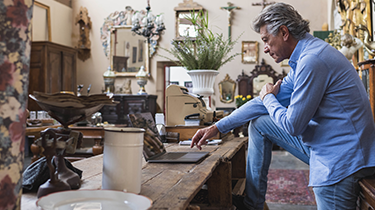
(209,142)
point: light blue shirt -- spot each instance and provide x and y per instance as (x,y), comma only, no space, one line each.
(327,106)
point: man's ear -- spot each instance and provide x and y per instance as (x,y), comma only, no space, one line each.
(284,32)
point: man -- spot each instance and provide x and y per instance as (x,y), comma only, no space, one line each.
(320,113)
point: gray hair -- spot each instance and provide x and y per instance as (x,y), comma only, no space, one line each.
(280,14)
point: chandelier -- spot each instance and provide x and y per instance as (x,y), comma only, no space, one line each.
(147,25)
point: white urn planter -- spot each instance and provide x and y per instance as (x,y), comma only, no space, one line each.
(203,83)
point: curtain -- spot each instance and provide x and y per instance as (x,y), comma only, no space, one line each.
(15,44)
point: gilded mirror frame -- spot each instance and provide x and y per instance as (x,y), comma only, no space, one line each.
(184,8)
(250,52)
(231,92)
(146,55)
(246,82)
(124,19)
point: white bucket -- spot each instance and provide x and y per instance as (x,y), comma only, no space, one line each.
(122,159)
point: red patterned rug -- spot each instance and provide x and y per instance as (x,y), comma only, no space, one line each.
(289,187)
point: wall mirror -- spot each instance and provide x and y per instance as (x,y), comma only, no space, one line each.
(127,52)
(118,40)
(259,81)
(262,74)
(227,88)
(183,26)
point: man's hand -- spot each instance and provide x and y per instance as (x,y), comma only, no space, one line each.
(202,135)
(270,88)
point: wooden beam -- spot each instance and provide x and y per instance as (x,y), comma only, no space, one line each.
(220,186)
(239,163)
(239,187)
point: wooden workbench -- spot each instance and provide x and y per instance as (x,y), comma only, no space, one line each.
(173,186)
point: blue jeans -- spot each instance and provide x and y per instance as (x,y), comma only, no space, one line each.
(263,132)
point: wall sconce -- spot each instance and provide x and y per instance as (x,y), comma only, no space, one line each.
(147,25)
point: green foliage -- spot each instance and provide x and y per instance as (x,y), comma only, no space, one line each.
(207,51)
(241,100)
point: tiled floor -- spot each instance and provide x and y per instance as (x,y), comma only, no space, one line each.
(284,160)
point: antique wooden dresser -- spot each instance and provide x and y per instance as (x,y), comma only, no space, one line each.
(129,104)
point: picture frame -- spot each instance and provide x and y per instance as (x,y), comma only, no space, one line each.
(189,85)
(41,23)
(250,52)
(174,83)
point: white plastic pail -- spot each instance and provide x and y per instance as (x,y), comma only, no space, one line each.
(122,159)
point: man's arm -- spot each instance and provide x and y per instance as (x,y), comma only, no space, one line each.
(311,80)
(202,135)
(251,110)
(255,108)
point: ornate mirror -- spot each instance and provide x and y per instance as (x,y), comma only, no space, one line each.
(227,88)
(259,81)
(183,26)
(262,74)
(127,52)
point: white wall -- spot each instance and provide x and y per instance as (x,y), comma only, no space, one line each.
(61,23)
(91,70)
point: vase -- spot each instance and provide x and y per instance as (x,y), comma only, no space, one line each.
(122,159)
(203,83)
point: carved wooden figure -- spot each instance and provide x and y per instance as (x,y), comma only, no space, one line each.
(84,43)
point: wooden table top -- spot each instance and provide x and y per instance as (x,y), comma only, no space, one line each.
(169,186)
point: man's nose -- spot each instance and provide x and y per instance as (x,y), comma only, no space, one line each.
(266,49)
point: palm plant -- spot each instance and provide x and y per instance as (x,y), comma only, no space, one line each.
(206,51)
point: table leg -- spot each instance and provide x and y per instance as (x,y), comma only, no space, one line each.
(239,164)
(220,186)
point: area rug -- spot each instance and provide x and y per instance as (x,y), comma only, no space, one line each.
(289,187)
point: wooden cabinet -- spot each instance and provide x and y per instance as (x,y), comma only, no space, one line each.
(53,68)
(129,104)
(367,194)
(367,75)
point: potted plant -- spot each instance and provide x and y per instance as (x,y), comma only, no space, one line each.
(202,56)
(241,100)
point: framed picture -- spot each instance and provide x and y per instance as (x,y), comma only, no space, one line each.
(189,85)
(174,83)
(250,51)
(134,58)
(41,22)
